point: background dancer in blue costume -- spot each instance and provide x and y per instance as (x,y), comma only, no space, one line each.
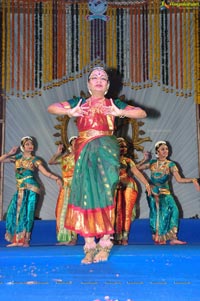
(21,210)
(164,214)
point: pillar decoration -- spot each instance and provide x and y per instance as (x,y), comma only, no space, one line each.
(196,19)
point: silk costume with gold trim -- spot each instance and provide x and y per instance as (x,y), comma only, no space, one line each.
(21,210)
(67,165)
(91,204)
(126,197)
(164,214)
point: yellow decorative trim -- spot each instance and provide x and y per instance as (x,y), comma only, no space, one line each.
(185,52)
(8,50)
(3,43)
(150,17)
(196,57)
(93,133)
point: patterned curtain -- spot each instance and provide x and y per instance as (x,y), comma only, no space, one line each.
(47,43)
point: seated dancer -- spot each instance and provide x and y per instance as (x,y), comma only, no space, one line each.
(91,205)
(66,160)
(164,214)
(21,210)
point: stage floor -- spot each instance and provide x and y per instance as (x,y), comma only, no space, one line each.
(140,271)
(133,273)
(44,232)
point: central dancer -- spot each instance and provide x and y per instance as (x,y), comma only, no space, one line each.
(91,205)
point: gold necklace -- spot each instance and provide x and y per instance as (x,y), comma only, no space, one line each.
(25,159)
(160,164)
(96,105)
(98,102)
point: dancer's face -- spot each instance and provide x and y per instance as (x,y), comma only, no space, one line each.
(98,81)
(162,151)
(123,148)
(28,146)
(73,144)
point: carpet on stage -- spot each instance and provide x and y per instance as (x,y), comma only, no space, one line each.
(140,271)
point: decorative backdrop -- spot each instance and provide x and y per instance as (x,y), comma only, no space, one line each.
(48,43)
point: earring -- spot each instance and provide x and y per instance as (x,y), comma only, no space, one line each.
(89,90)
(107,89)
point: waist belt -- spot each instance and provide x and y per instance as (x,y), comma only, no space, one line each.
(93,133)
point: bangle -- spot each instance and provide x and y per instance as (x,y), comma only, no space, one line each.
(68,110)
(122,116)
(147,185)
(194,180)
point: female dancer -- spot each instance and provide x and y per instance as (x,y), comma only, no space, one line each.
(21,210)
(64,236)
(164,214)
(127,192)
(91,205)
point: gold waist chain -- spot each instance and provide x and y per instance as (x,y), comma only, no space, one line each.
(93,133)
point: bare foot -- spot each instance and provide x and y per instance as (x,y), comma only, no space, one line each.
(26,245)
(62,243)
(117,242)
(89,256)
(87,260)
(177,242)
(124,242)
(72,243)
(101,256)
(14,244)
(69,243)
(163,242)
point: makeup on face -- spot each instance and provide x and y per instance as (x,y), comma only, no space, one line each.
(99,75)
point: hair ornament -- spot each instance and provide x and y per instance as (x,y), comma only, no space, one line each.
(98,68)
(72,138)
(160,142)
